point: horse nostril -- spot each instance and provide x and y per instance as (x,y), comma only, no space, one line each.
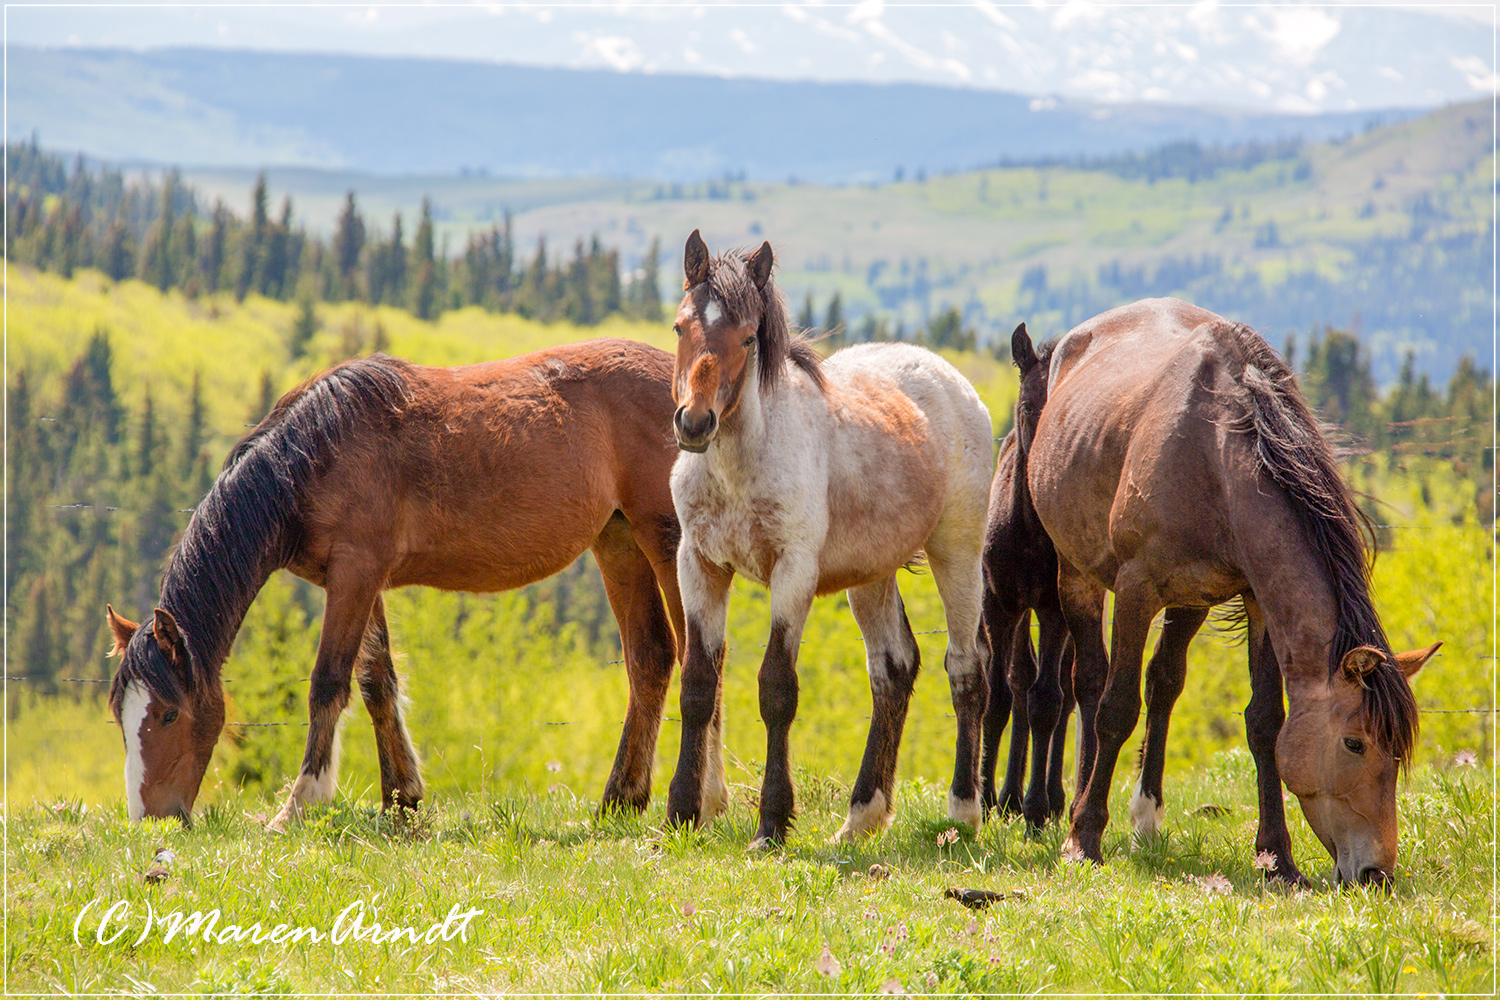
(690,427)
(1374,876)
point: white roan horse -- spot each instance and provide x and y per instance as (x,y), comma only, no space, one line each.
(809,478)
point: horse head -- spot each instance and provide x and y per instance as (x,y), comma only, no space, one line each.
(1337,754)
(731,320)
(1033,394)
(169,717)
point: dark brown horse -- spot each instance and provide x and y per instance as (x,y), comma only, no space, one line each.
(1177,464)
(1020,577)
(381,473)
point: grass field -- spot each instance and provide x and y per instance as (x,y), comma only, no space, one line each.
(573,903)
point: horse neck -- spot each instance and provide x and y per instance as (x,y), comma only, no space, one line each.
(1291,585)
(219,567)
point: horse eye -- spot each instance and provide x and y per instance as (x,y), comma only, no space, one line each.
(169,718)
(749,342)
(677,329)
(1354,746)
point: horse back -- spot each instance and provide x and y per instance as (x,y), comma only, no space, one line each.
(1136,449)
(492,475)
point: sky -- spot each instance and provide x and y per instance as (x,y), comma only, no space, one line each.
(1293,57)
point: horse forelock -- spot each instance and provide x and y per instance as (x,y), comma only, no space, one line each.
(161,681)
(1292,449)
(731,286)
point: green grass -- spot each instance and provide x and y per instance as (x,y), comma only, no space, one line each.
(572,902)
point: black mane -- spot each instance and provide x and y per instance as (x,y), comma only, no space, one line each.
(249,524)
(730,285)
(1295,453)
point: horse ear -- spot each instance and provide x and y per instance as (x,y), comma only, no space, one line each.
(1415,659)
(1360,661)
(123,628)
(695,261)
(169,638)
(760,265)
(1021,351)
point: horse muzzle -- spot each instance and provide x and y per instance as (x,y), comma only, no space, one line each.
(694,434)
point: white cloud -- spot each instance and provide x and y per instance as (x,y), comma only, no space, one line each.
(1299,33)
(617,51)
(958,69)
(989,10)
(741,39)
(1477,73)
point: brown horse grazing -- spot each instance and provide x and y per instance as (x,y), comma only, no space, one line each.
(381,473)
(1177,464)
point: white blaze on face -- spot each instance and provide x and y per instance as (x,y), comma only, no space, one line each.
(711,313)
(132,719)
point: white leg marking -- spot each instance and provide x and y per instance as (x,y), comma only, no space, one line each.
(132,718)
(965,811)
(310,788)
(715,788)
(866,820)
(1146,813)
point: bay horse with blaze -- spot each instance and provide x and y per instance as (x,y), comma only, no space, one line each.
(810,477)
(381,473)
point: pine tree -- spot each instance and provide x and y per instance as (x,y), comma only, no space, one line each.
(218,240)
(303,328)
(833,320)
(192,440)
(348,243)
(805,318)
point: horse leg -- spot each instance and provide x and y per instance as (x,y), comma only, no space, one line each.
(705,604)
(956,571)
(352,587)
(1043,709)
(649,652)
(1016,683)
(793,583)
(1119,710)
(1165,675)
(1263,718)
(892,660)
(1056,799)
(400,769)
(1082,603)
(997,710)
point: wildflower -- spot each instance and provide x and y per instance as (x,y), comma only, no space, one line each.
(932,980)
(554,766)
(1266,861)
(688,909)
(827,965)
(973,927)
(948,836)
(893,985)
(1213,884)
(1465,758)
(1072,852)
(872,914)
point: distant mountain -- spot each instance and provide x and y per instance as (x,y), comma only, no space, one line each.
(392,116)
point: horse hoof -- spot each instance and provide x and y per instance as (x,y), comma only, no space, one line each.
(283,819)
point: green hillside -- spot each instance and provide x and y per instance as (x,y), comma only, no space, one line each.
(1388,231)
